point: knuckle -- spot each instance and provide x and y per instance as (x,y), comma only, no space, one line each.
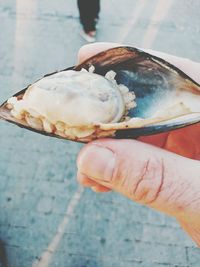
(149,183)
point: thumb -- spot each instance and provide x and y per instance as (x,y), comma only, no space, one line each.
(143,173)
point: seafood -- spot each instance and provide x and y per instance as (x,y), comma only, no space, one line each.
(121,93)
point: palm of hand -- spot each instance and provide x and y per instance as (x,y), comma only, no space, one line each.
(184,142)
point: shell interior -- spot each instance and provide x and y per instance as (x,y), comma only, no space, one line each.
(166,97)
(162,91)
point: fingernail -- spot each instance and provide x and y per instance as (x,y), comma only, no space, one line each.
(97,162)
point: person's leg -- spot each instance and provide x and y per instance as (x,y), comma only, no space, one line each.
(87,11)
(82,6)
(96,8)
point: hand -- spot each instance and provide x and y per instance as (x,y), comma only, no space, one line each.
(161,171)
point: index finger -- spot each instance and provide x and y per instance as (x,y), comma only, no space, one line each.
(90,50)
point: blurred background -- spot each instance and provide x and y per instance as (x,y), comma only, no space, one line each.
(46,219)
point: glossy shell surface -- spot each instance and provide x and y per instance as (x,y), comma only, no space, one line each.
(166,97)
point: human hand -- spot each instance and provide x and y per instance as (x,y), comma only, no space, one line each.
(146,170)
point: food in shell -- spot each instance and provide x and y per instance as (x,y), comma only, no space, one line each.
(121,93)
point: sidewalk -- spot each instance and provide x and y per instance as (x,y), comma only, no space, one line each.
(45,218)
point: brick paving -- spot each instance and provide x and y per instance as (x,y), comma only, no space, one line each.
(39,195)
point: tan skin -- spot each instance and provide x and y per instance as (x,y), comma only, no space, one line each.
(179,193)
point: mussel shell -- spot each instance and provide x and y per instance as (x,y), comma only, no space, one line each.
(150,77)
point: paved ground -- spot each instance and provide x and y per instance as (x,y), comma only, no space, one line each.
(45,218)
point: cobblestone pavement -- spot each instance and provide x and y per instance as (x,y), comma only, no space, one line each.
(46,219)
